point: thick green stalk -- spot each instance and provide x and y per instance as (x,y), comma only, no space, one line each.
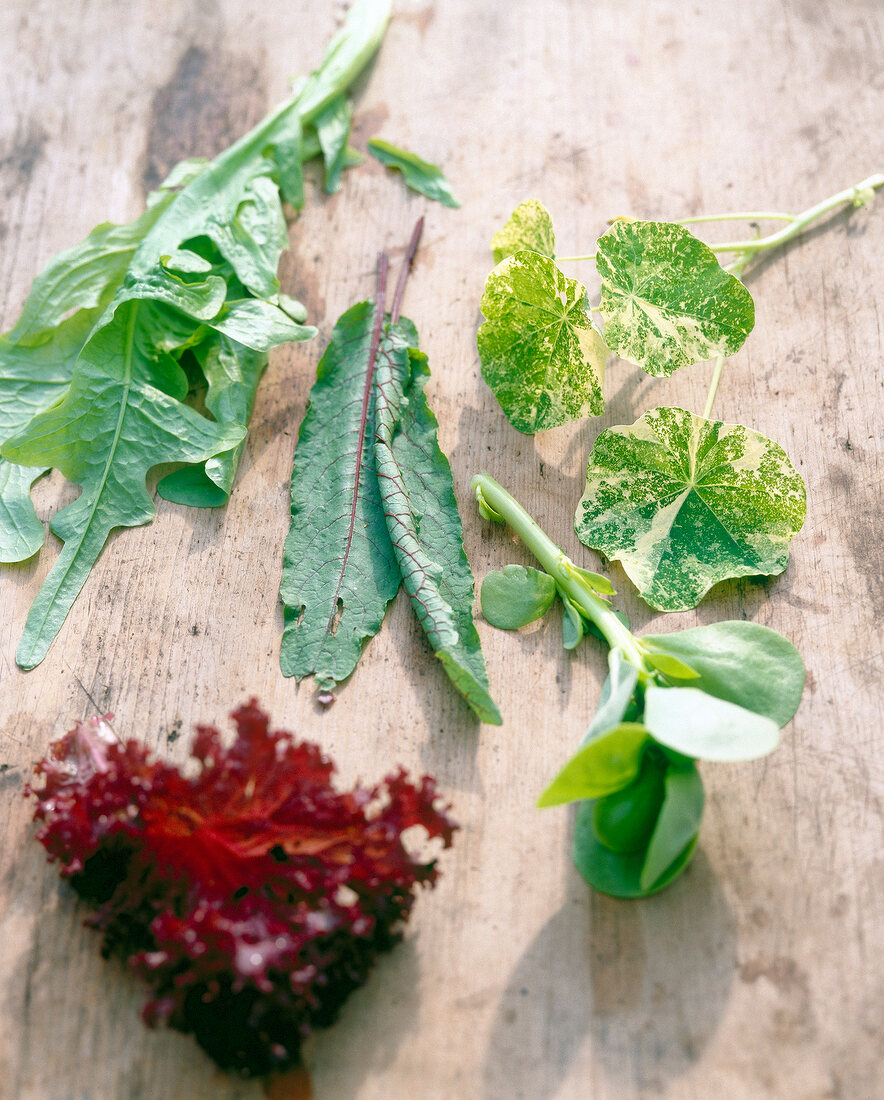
(499,504)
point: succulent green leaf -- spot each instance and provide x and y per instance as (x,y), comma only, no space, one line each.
(516,595)
(617,694)
(742,662)
(339,566)
(606,764)
(573,624)
(540,352)
(422,517)
(614,873)
(671,667)
(677,826)
(421,176)
(707,728)
(666,300)
(529,227)
(111,427)
(683,503)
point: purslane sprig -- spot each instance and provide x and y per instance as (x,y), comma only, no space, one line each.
(714,693)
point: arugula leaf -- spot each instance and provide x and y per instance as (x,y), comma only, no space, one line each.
(333,130)
(105,434)
(194,276)
(339,567)
(422,517)
(701,726)
(666,300)
(419,175)
(541,355)
(529,227)
(516,595)
(683,503)
(742,662)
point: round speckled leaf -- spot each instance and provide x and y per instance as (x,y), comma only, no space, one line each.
(540,352)
(530,226)
(684,502)
(666,300)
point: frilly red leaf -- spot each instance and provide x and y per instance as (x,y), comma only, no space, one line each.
(252,896)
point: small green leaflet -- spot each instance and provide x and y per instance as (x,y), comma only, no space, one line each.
(742,662)
(606,764)
(94,367)
(683,503)
(666,300)
(516,595)
(677,827)
(422,517)
(618,692)
(529,227)
(698,725)
(419,175)
(339,567)
(541,355)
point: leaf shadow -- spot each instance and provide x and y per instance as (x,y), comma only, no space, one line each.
(644,982)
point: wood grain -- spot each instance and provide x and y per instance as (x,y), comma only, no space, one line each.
(758,974)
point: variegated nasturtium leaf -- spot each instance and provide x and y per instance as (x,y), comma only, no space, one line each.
(684,502)
(666,300)
(530,226)
(541,354)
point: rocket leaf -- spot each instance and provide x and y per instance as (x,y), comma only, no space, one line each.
(339,567)
(421,176)
(541,354)
(194,278)
(422,517)
(683,503)
(529,227)
(666,300)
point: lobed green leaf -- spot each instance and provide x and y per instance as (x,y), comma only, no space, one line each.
(666,300)
(684,503)
(541,355)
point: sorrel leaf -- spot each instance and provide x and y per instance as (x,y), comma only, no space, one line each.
(422,517)
(339,567)
(516,595)
(666,300)
(421,176)
(683,503)
(529,227)
(541,355)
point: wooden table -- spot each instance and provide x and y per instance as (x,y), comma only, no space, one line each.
(758,974)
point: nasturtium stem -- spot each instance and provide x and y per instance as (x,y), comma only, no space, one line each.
(753,216)
(799,222)
(560,567)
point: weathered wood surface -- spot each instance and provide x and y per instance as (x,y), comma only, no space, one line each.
(759,973)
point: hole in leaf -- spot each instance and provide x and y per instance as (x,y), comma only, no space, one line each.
(335,620)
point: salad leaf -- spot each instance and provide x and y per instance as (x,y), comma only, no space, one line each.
(742,662)
(192,280)
(677,825)
(701,726)
(113,424)
(684,502)
(666,300)
(422,517)
(617,694)
(541,355)
(333,130)
(421,176)
(339,567)
(516,595)
(606,764)
(529,227)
